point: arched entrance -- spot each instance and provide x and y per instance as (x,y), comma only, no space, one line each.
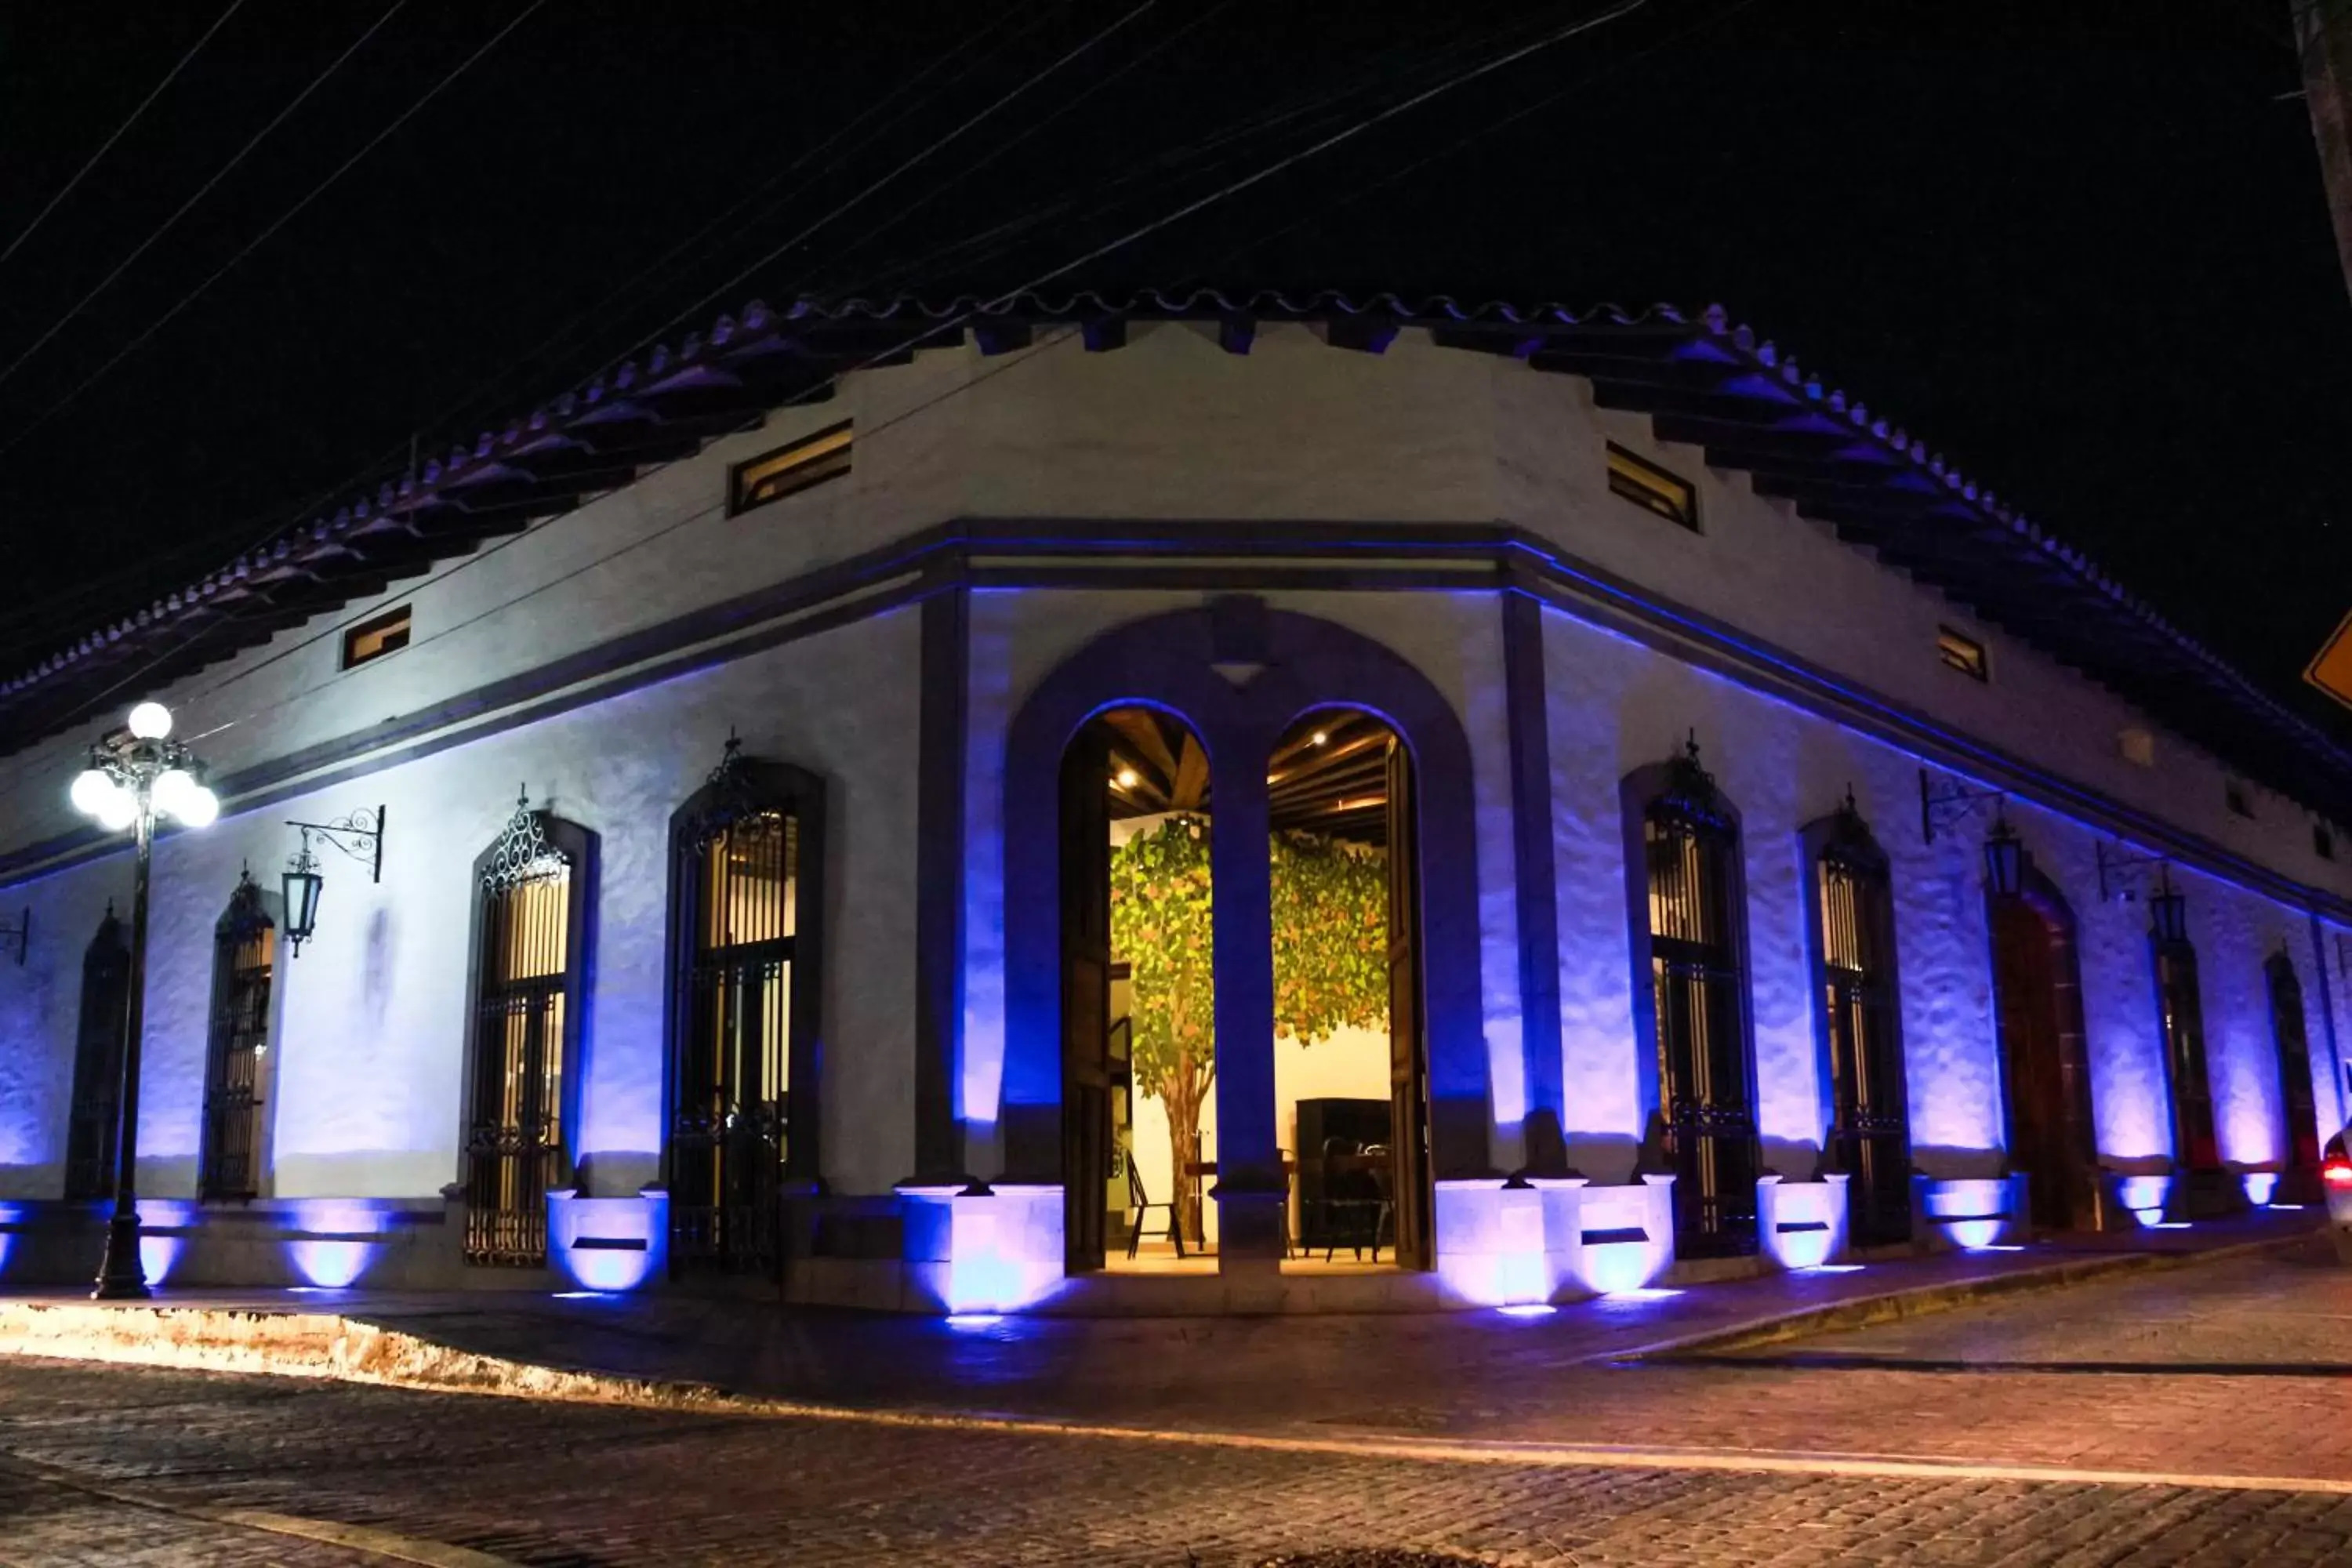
(2045,1071)
(1351,1097)
(1242,678)
(2299,1182)
(1138,987)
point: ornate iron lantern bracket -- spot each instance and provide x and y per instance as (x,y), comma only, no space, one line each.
(358,835)
(1954,804)
(2114,863)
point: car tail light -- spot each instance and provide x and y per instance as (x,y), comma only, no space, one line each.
(2337,1172)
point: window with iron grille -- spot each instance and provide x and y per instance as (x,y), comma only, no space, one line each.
(1868,1136)
(748,860)
(2182,1015)
(243,953)
(95,1118)
(530,891)
(1707,1110)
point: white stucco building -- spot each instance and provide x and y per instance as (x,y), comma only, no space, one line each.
(1789,848)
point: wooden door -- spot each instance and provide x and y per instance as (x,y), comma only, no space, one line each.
(1408,1086)
(2046,1085)
(2296,1098)
(1086,996)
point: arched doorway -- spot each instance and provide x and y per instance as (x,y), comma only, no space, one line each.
(2299,1183)
(1241,676)
(1139,994)
(1351,1098)
(2045,1071)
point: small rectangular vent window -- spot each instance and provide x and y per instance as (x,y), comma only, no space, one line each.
(1651,489)
(789,470)
(1962,653)
(376,636)
(2323,841)
(2137,746)
(2233,795)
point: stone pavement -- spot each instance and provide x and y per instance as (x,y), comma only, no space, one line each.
(2189,1415)
(104,1465)
(1220,1373)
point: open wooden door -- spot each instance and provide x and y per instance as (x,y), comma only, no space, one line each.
(1086,996)
(1408,1085)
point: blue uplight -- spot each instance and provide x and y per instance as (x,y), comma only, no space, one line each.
(1528,1309)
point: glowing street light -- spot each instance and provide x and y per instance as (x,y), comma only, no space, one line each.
(136,776)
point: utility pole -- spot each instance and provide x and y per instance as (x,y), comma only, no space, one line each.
(2323,41)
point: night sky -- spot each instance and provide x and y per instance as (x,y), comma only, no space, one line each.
(2086,258)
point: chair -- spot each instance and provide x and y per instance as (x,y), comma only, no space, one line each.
(1354,1205)
(1383,1176)
(1140,1202)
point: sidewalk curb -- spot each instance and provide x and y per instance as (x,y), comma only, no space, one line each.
(330,1346)
(1926,1300)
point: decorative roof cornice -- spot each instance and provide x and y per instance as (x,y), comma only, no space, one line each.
(1703,378)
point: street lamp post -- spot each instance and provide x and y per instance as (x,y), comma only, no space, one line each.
(136,775)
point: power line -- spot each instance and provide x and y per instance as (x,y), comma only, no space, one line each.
(160,322)
(929,330)
(67,609)
(203,190)
(106,146)
(563,331)
(942,142)
(1233,188)
(1361,192)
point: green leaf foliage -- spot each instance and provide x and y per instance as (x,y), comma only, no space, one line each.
(1330,936)
(1331,944)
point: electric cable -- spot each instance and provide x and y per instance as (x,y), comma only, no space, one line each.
(160,322)
(736,280)
(106,146)
(63,611)
(202,191)
(929,330)
(66,610)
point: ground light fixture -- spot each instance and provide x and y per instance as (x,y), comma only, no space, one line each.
(137,776)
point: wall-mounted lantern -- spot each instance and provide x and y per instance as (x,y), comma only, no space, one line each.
(18,936)
(2004,859)
(358,836)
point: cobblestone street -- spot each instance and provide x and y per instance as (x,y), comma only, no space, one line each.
(2211,1400)
(549,1484)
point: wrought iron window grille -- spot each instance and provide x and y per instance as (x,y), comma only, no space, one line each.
(523,853)
(243,952)
(527,971)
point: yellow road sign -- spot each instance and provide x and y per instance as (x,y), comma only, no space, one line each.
(2331,669)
